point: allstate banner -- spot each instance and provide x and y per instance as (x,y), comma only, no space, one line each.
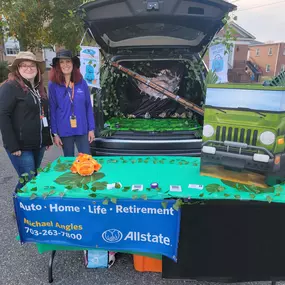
(219,61)
(90,65)
(138,226)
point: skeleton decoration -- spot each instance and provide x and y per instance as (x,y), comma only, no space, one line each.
(165,79)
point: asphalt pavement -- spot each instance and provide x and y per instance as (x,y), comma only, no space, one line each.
(23,265)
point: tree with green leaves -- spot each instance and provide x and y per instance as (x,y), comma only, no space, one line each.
(66,27)
(24,20)
(3,71)
(39,23)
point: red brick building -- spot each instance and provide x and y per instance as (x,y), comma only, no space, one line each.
(269,58)
(238,56)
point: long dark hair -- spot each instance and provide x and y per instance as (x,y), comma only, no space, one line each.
(16,76)
(56,75)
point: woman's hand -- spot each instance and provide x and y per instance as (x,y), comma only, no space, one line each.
(48,147)
(91,136)
(57,141)
(17,153)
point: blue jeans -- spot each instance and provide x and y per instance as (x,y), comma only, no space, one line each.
(28,162)
(81,142)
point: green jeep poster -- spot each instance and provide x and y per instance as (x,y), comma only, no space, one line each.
(243,134)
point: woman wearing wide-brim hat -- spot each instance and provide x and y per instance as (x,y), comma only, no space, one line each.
(72,118)
(24,114)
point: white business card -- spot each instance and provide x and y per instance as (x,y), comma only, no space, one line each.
(117,185)
(137,187)
(111,186)
(175,188)
(196,186)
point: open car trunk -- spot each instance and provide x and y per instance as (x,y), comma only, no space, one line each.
(152,24)
(161,40)
(127,109)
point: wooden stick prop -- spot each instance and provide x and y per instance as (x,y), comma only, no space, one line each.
(156,87)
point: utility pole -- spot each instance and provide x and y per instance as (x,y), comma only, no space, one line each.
(2,45)
(2,38)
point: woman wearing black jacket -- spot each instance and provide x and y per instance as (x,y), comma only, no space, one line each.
(24,115)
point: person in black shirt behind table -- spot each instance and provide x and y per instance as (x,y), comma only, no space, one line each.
(24,115)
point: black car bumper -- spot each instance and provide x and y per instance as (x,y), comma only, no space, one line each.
(110,146)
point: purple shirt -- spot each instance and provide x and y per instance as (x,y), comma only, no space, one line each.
(61,109)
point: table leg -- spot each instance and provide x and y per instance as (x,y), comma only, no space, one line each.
(50,278)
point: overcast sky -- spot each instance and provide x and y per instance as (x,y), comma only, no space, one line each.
(265,23)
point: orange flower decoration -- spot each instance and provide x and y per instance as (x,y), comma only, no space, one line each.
(85,165)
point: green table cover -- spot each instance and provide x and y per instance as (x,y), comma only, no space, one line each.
(57,180)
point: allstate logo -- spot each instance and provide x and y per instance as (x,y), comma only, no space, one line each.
(112,236)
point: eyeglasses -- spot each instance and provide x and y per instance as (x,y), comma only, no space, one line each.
(26,67)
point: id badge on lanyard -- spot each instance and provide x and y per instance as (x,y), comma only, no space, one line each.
(73,121)
(43,118)
(45,122)
(42,113)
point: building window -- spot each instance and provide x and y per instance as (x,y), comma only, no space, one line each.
(12,51)
(257,52)
(282,68)
(270,51)
(267,69)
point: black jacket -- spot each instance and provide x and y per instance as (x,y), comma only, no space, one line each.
(20,121)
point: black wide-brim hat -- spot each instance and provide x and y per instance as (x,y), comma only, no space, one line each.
(65,54)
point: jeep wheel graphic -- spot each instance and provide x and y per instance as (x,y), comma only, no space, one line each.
(112,236)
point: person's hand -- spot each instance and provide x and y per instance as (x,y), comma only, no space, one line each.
(48,147)
(17,153)
(91,136)
(57,141)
